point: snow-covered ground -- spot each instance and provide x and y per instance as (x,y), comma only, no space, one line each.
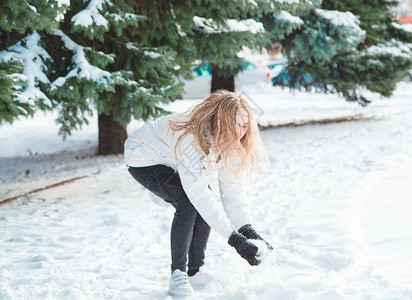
(334,200)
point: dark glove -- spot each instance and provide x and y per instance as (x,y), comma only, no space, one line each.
(246,249)
(250,233)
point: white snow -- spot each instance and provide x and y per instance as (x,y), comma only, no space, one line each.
(18,77)
(33,55)
(151,54)
(121,16)
(33,8)
(406,27)
(252,2)
(208,26)
(91,15)
(390,48)
(61,3)
(245,25)
(346,19)
(131,46)
(284,15)
(334,200)
(82,69)
(339,18)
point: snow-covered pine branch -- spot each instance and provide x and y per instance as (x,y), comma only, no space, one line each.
(346,21)
(393,48)
(101,15)
(30,52)
(91,15)
(209,26)
(285,24)
(82,68)
(406,27)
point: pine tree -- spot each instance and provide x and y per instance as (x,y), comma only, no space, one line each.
(105,60)
(11,81)
(346,46)
(385,54)
(223,28)
(21,57)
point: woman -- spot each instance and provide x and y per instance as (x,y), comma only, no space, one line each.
(173,157)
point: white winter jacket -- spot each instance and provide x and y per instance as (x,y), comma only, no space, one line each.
(154,144)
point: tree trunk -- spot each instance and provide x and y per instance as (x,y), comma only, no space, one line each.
(222,82)
(111,136)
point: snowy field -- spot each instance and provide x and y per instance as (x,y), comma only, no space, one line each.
(334,200)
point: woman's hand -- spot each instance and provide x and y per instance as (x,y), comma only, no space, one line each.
(246,249)
(250,233)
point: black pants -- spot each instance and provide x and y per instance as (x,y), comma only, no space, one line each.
(189,232)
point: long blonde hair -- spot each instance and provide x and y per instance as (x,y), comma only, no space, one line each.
(213,124)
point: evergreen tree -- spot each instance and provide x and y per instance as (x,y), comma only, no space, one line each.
(11,81)
(104,60)
(345,46)
(222,29)
(21,57)
(383,57)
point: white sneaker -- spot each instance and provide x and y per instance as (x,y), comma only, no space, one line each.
(200,279)
(179,285)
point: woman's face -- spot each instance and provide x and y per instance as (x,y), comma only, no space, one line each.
(242,120)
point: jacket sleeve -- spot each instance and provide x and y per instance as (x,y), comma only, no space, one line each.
(195,183)
(234,198)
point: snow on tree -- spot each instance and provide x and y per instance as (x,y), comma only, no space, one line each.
(125,59)
(22,57)
(346,46)
(104,60)
(223,28)
(279,22)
